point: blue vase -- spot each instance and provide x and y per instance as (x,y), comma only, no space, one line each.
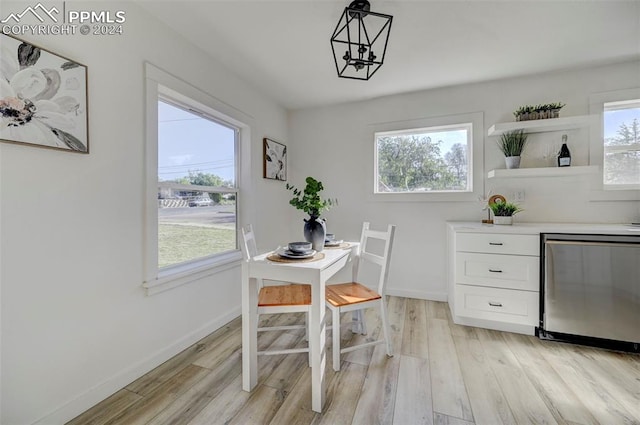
(315,231)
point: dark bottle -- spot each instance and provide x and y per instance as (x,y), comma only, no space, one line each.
(564,156)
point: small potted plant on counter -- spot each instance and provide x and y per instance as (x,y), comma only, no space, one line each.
(503,212)
(512,144)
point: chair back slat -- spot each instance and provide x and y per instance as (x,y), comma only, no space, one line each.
(376,234)
(366,255)
(372,258)
(249,247)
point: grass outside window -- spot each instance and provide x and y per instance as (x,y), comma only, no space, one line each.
(178,243)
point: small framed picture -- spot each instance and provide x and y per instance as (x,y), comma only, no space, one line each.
(43,98)
(275,160)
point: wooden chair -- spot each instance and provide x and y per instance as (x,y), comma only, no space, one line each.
(272,299)
(354,296)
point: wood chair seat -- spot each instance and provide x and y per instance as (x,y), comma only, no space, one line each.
(355,297)
(342,294)
(284,295)
(277,299)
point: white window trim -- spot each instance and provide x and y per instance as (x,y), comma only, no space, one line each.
(441,128)
(476,164)
(159,83)
(596,151)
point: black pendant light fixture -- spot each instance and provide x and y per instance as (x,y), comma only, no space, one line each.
(359,41)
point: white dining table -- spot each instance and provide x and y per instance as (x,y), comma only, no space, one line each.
(314,273)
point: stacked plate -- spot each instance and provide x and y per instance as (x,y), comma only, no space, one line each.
(330,240)
(297,250)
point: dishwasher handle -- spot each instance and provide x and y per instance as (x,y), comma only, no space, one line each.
(594,243)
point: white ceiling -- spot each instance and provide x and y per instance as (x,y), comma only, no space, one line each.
(283,49)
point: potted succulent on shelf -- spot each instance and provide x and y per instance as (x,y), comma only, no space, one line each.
(503,212)
(512,144)
(309,201)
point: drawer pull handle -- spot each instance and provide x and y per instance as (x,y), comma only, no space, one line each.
(495,271)
(495,243)
(492,304)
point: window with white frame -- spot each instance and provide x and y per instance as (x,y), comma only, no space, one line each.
(436,159)
(197,188)
(193,175)
(621,144)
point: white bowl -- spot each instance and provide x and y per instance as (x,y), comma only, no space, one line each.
(299,246)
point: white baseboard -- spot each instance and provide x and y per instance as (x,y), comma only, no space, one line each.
(106,388)
(498,326)
(421,295)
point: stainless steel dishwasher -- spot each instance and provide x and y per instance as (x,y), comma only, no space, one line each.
(590,290)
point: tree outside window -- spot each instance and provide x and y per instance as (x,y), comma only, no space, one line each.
(622,144)
(432,159)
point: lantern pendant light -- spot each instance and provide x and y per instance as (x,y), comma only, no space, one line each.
(359,42)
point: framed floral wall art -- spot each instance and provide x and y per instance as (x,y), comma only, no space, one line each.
(275,160)
(43,98)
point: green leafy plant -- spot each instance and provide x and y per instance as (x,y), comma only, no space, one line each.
(541,108)
(512,143)
(309,199)
(504,209)
(557,105)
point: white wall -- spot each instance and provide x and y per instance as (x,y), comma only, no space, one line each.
(334,144)
(76,323)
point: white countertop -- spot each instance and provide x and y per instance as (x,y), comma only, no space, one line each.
(537,228)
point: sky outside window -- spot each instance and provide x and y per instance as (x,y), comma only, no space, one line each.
(614,119)
(190,143)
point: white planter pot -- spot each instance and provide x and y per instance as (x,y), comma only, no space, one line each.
(498,219)
(512,162)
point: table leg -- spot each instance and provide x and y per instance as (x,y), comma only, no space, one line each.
(249,331)
(317,344)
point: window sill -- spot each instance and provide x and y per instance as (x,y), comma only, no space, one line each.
(424,197)
(181,275)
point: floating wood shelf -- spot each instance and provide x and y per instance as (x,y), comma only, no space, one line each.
(543,172)
(540,126)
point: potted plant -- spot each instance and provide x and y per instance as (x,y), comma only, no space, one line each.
(503,212)
(512,144)
(309,201)
(542,111)
(555,109)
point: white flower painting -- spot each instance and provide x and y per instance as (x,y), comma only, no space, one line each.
(275,160)
(43,98)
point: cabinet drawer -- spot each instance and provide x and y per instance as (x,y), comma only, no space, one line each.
(499,271)
(496,243)
(503,305)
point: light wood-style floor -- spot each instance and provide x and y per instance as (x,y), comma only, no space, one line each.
(442,373)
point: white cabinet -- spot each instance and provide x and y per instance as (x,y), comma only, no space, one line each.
(503,306)
(498,271)
(494,279)
(497,243)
